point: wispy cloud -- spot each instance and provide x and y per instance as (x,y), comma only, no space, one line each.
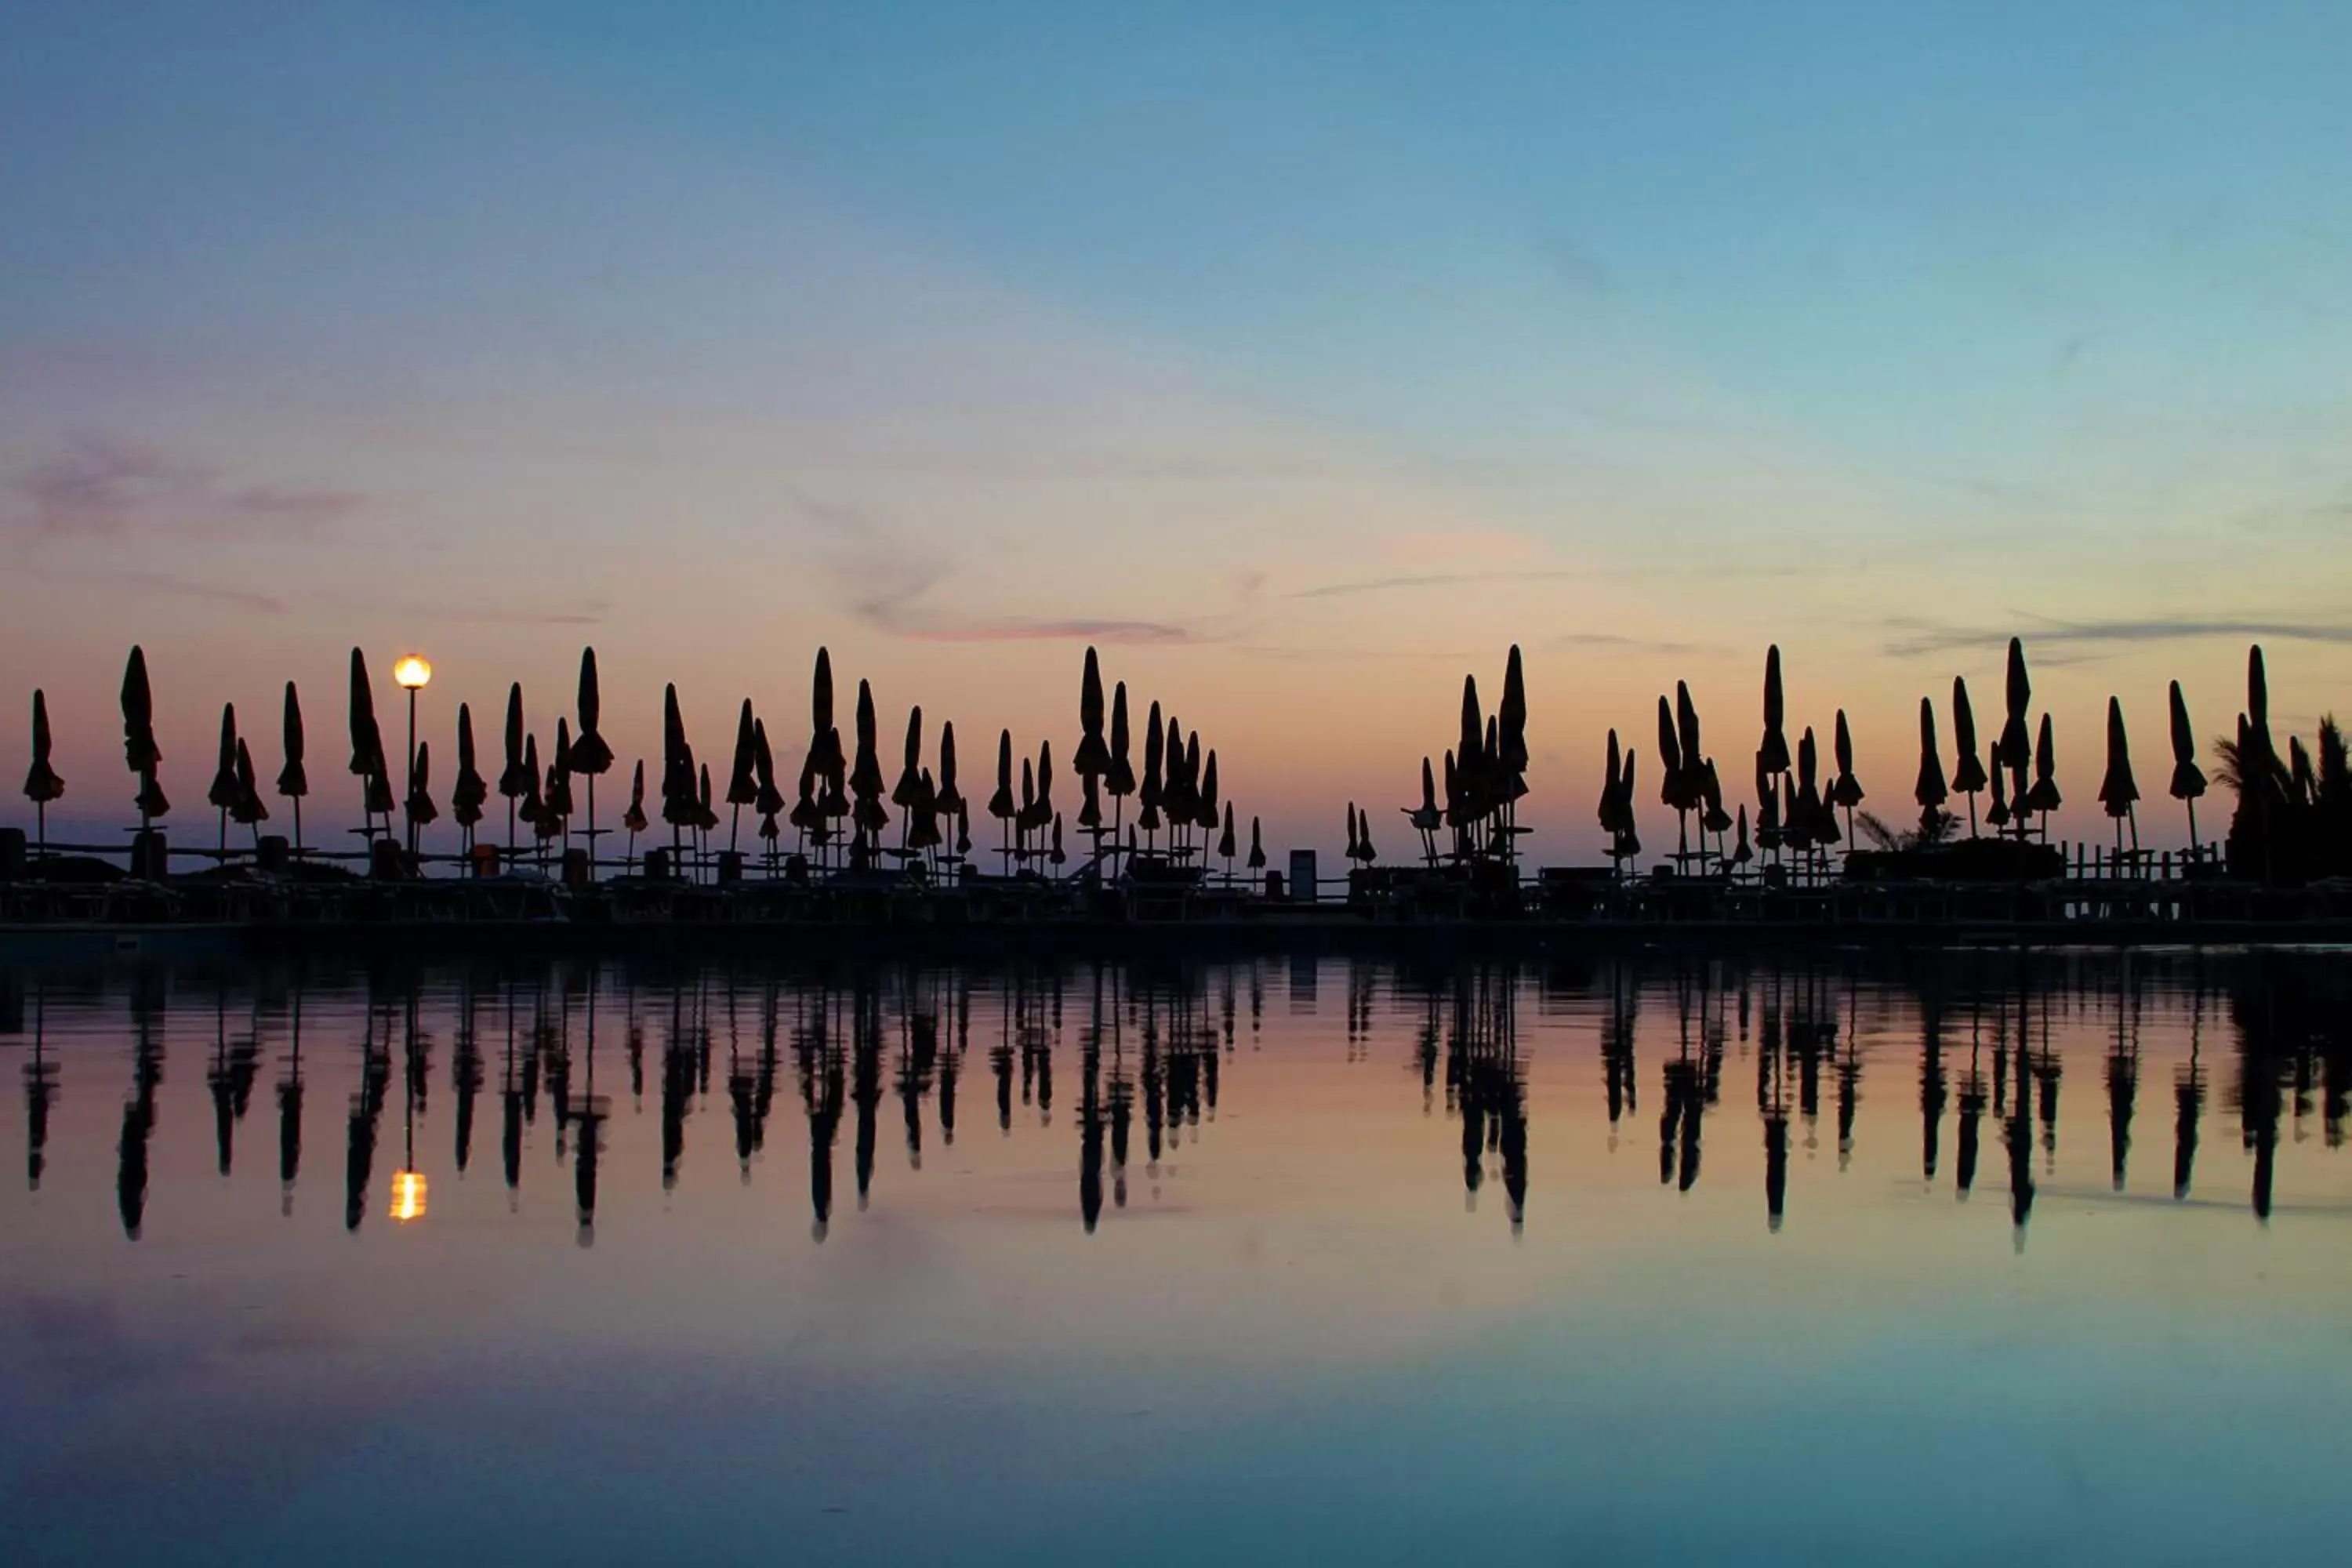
(171,584)
(1911,636)
(103,489)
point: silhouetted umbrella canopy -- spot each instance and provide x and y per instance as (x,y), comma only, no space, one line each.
(1092,757)
(1046,775)
(1740,853)
(520,776)
(1001,804)
(1055,854)
(1153,743)
(419,805)
(634,819)
(590,755)
(743,776)
(1813,813)
(150,800)
(249,808)
(1929,791)
(1773,754)
(293,780)
(2300,781)
(821,723)
(2015,746)
(1670,755)
(1845,790)
(909,788)
(1608,812)
(950,799)
(2187,778)
(705,817)
(1175,798)
(1687,733)
(467,792)
(2264,754)
(378,787)
(1997,815)
(1257,848)
(805,815)
(367,739)
(1120,779)
(1364,839)
(1474,727)
(767,799)
(42,784)
(866,773)
(1969,770)
(683,808)
(527,803)
(1768,803)
(1208,818)
(1090,800)
(1026,816)
(1457,803)
(1225,839)
(1514,715)
(1629,842)
(1716,820)
(223,793)
(140,752)
(678,770)
(2118,790)
(1353,851)
(830,800)
(2044,796)
(559,771)
(924,831)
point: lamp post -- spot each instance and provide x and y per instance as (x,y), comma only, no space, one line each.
(412,672)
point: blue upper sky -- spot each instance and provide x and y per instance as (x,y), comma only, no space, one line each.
(1944,319)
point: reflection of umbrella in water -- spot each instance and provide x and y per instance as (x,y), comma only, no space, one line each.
(42,783)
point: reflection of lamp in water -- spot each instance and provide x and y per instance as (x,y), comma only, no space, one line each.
(412,672)
(407,1195)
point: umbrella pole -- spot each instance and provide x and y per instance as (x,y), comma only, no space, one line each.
(41,817)
(592,827)
(734,825)
(2195,850)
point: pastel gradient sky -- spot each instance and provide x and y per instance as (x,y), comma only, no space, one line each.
(1302,357)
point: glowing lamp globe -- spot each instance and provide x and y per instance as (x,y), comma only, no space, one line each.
(407,1195)
(412,671)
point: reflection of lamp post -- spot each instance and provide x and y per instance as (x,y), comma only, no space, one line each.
(408,1182)
(412,672)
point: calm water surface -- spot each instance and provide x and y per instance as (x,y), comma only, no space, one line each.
(1628,1261)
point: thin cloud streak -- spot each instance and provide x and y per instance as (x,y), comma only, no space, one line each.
(1916,637)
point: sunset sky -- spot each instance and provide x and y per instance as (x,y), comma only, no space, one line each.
(1302,358)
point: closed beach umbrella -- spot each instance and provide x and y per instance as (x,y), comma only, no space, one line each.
(2117,789)
(1225,839)
(2014,748)
(1929,791)
(1149,795)
(635,819)
(1774,753)
(223,795)
(140,752)
(949,800)
(590,755)
(2044,797)
(767,798)
(2187,778)
(1257,848)
(419,805)
(469,791)
(42,783)
(250,810)
(294,779)
(909,789)
(1118,780)
(1514,715)
(1967,770)
(1092,758)
(826,732)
